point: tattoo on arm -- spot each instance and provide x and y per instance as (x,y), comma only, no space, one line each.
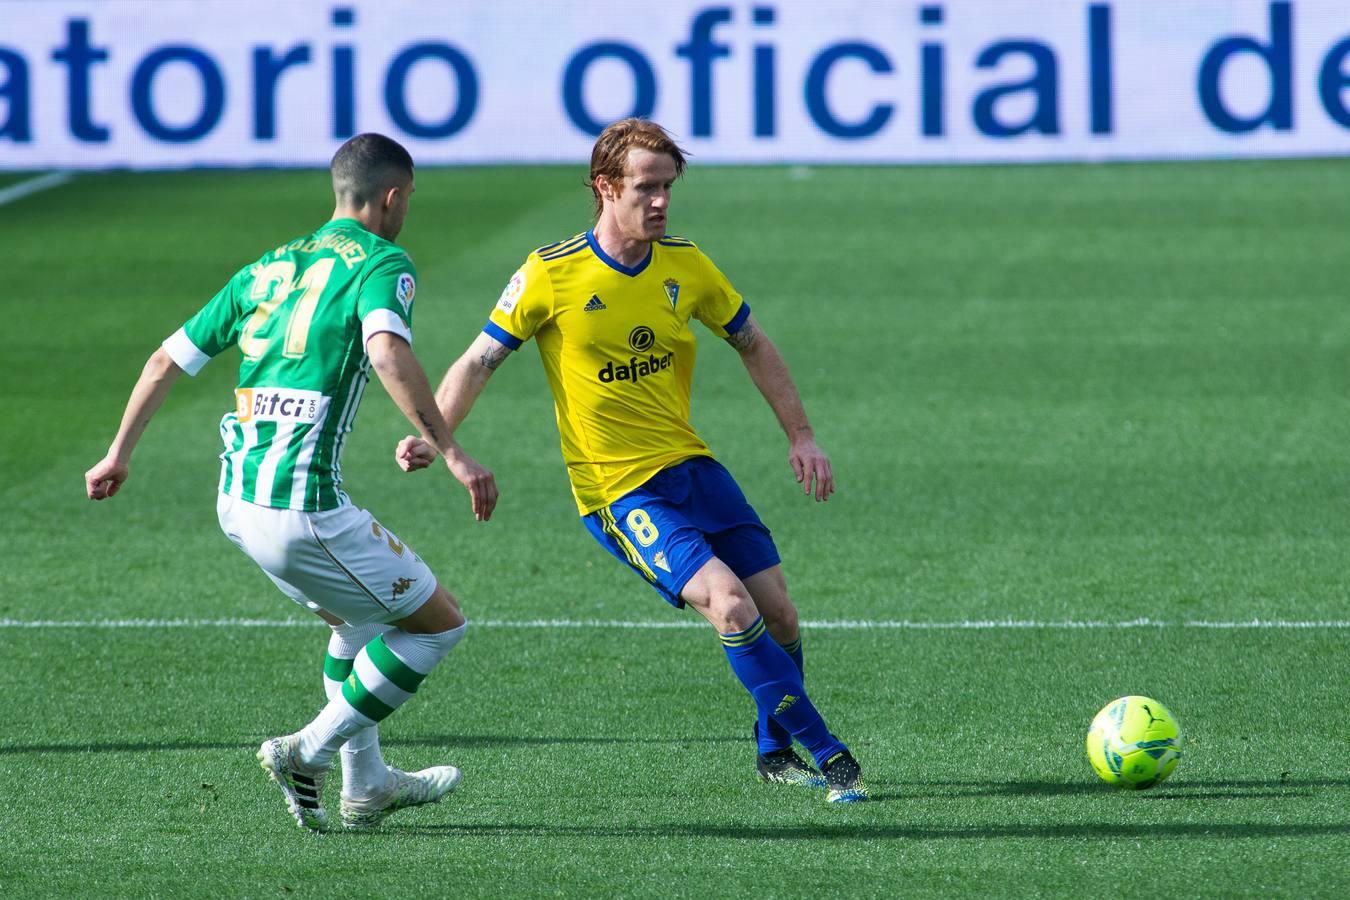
(493,357)
(744,339)
(427,426)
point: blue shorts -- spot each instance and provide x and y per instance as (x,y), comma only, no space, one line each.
(679,519)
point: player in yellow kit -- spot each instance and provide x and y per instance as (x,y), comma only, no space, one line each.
(610,310)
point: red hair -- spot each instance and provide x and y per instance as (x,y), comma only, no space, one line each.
(609,156)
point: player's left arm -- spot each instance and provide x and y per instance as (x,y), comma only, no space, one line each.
(402,376)
(769,371)
(157,379)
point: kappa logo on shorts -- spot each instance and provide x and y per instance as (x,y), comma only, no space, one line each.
(401,586)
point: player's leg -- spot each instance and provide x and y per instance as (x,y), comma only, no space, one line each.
(761,664)
(662,531)
(775,760)
(386,672)
(768,589)
(738,538)
(364,771)
(263,535)
(414,647)
(770,675)
(842,774)
(361,574)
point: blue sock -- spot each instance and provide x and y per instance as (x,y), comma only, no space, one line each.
(771,735)
(772,678)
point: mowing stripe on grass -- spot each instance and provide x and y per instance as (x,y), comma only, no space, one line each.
(827,625)
(32,186)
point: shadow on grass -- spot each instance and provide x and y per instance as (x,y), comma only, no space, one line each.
(1187,789)
(448,741)
(1089,830)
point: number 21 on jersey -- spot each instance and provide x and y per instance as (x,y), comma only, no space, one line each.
(271,288)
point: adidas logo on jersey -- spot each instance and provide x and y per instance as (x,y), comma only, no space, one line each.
(593,304)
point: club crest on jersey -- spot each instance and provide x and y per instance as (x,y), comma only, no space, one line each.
(511,293)
(407,286)
(672,291)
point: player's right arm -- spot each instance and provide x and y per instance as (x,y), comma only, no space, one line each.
(465,380)
(459,390)
(524,305)
(399,372)
(210,331)
(157,379)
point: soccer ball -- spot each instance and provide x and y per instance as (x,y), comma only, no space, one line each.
(1134,742)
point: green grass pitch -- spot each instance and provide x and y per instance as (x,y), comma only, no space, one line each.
(1091,394)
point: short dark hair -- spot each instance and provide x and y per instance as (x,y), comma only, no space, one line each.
(366,165)
(609,156)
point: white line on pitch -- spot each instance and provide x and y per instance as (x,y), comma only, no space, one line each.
(1270,623)
(32,186)
(827,625)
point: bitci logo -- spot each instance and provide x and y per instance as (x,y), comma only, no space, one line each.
(264,404)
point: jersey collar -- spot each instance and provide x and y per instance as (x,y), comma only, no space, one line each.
(346,221)
(614,263)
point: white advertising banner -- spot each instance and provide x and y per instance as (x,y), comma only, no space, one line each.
(176,83)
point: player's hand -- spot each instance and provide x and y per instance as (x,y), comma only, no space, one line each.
(812,468)
(413,453)
(105,479)
(477,480)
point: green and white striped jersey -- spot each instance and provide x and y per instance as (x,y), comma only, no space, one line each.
(301,316)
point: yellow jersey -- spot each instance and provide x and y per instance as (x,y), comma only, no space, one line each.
(618,352)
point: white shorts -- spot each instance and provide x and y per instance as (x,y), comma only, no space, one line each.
(340,560)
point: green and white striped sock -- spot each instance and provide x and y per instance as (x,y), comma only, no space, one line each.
(384,676)
(364,771)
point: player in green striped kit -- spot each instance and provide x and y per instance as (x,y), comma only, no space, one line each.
(311,318)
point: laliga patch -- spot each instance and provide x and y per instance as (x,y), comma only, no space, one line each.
(407,287)
(511,293)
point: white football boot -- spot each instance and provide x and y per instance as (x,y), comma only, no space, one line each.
(409,789)
(302,787)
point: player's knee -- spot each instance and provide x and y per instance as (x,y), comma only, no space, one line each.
(453,614)
(439,613)
(347,640)
(454,617)
(732,608)
(422,652)
(781,620)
